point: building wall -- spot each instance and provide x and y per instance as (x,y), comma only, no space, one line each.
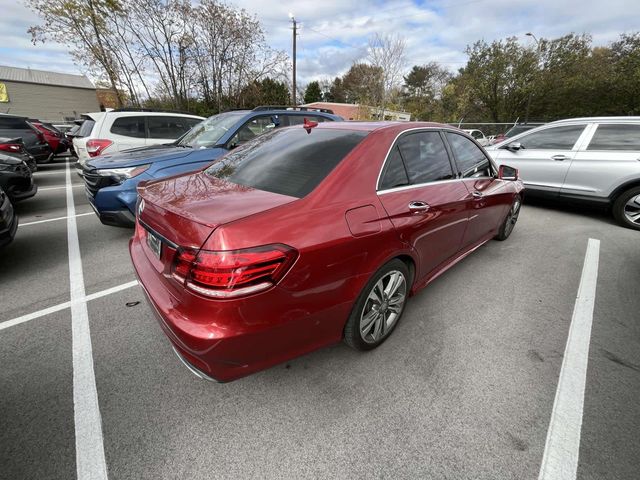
(48,103)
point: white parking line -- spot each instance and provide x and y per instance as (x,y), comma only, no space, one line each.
(560,459)
(54,219)
(44,189)
(52,172)
(90,461)
(62,306)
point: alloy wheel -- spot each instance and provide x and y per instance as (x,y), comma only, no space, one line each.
(383,306)
(632,210)
(512,218)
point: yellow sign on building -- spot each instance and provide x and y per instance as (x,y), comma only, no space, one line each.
(4,96)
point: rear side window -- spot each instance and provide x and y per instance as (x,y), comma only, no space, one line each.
(287,161)
(170,128)
(616,137)
(394,173)
(469,158)
(12,123)
(86,128)
(556,138)
(128,127)
(425,157)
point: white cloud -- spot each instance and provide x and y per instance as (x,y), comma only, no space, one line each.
(334,33)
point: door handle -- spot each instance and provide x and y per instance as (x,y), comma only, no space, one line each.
(560,158)
(477,194)
(418,206)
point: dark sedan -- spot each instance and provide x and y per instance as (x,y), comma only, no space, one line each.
(8,220)
(15,148)
(16,179)
(12,126)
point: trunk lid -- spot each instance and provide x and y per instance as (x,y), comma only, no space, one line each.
(186,209)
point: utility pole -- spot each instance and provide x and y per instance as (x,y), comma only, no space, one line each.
(295,32)
(529,34)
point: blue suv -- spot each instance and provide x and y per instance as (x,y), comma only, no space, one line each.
(111,180)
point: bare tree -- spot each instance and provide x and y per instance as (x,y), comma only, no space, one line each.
(387,52)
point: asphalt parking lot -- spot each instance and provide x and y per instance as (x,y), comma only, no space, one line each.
(463,389)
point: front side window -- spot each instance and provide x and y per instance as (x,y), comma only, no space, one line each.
(556,138)
(425,157)
(254,128)
(128,127)
(287,161)
(616,137)
(208,133)
(470,159)
(170,128)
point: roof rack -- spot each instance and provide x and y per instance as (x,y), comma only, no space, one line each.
(289,107)
(141,109)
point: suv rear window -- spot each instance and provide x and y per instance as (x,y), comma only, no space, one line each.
(170,128)
(85,128)
(128,127)
(288,161)
(616,137)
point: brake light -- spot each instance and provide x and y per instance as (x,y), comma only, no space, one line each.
(232,273)
(11,147)
(96,146)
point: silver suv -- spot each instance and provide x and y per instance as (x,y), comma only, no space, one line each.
(596,160)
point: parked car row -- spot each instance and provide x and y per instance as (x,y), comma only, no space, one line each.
(111,180)
(34,141)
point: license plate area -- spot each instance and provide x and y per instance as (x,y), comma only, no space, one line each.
(155,244)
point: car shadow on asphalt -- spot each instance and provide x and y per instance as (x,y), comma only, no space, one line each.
(595,212)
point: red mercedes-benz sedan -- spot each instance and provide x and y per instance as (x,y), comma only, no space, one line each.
(312,234)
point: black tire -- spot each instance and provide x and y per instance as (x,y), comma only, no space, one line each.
(510,220)
(620,205)
(353,335)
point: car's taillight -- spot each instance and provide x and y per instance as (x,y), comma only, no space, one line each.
(96,146)
(232,273)
(11,147)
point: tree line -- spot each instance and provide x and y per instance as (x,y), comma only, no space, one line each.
(504,80)
(211,57)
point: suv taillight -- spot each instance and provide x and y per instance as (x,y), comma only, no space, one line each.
(232,273)
(96,146)
(11,147)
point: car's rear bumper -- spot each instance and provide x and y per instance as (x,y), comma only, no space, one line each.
(115,218)
(224,340)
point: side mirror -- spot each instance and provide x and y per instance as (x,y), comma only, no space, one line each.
(514,147)
(505,172)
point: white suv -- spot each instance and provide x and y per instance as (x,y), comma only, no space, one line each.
(595,160)
(117,130)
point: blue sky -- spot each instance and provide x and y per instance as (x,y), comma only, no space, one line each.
(334,33)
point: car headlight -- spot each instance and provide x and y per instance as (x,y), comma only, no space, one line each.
(4,167)
(123,173)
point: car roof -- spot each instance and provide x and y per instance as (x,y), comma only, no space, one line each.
(386,125)
(13,116)
(596,119)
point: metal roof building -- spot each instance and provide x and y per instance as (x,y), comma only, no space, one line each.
(48,96)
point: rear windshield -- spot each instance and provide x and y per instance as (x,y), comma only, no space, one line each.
(288,161)
(13,123)
(85,128)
